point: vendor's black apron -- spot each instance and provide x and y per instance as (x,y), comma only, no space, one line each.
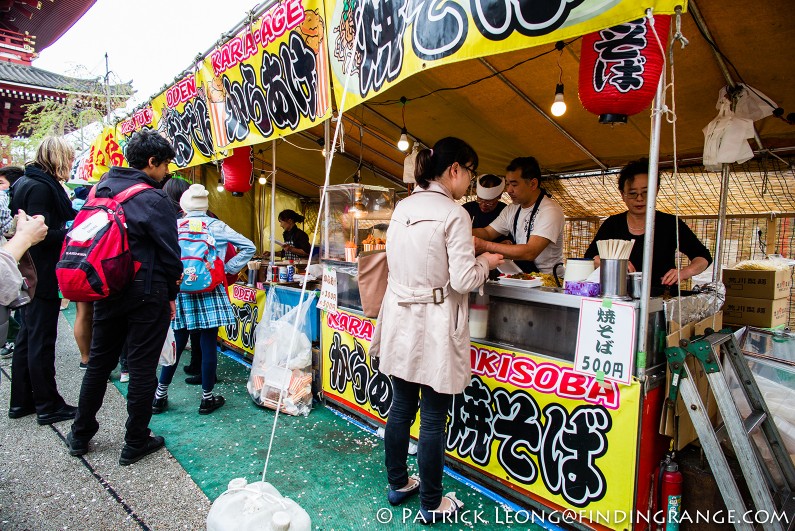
(528,266)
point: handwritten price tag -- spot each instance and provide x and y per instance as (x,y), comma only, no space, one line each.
(328,291)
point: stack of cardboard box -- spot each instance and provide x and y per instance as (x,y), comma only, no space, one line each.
(757,297)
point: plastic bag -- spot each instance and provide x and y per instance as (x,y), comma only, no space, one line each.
(283,359)
(725,139)
(168,354)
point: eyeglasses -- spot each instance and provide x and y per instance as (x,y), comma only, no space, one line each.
(471,171)
(636,195)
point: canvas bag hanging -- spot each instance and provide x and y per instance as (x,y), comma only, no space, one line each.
(373,274)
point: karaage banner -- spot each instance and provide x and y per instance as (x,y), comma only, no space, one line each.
(398,38)
(271,79)
(530,423)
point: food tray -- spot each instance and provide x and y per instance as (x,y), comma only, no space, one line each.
(518,283)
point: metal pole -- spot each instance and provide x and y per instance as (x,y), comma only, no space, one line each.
(648,237)
(326,143)
(724,197)
(107,86)
(273,207)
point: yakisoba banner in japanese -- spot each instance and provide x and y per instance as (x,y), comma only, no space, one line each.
(105,151)
(528,422)
(271,79)
(398,38)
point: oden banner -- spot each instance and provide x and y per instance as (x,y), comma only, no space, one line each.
(398,38)
(271,79)
(526,421)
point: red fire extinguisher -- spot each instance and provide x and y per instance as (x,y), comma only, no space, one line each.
(669,487)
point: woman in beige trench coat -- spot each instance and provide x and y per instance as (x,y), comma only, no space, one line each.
(422,335)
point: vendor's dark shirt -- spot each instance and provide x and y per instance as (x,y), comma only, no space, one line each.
(297,238)
(482,219)
(664,258)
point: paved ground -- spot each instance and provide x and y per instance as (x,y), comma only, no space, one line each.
(43,488)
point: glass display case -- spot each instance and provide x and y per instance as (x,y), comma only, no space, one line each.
(355,219)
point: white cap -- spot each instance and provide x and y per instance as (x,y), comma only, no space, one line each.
(194,198)
(494,192)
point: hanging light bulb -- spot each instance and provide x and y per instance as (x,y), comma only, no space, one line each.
(220,186)
(403,143)
(558,106)
(262,178)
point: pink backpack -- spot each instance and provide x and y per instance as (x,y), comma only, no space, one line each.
(95,258)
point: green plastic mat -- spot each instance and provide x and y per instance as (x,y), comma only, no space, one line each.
(332,467)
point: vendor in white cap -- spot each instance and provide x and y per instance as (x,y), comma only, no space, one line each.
(488,205)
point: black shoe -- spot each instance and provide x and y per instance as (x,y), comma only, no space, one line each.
(76,446)
(211,404)
(193,371)
(66,412)
(83,366)
(133,454)
(7,352)
(17,412)
(159,405)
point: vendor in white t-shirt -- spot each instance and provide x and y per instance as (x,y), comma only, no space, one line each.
(534,221)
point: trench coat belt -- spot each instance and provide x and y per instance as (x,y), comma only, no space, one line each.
(407,296)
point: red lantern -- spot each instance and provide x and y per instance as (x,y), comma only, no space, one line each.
(238,171)
(620,68)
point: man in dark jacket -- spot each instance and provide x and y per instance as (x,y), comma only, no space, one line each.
(140,316)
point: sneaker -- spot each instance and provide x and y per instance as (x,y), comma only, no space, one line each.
(159,405)
(66,412)
(431,517)
(211,404)
(133,454)
(192,371)
(76,446)
(398,496)
(83,366)
(124,377)
(194,380)
(7,352)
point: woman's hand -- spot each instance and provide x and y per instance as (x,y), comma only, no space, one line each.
(494,260)
(674,276)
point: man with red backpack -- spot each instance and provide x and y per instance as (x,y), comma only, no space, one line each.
(140,314)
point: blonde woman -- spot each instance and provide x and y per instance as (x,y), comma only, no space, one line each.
(39,192)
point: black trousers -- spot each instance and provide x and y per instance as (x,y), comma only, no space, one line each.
(141,320)
(33,365)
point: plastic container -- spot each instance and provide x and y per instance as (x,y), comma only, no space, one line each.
(578,269)
(478,321)
(256,507)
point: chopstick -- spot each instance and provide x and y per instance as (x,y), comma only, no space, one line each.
(615,249)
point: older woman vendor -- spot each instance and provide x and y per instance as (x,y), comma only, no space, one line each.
(633,183)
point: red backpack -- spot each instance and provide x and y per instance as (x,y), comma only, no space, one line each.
(95,258)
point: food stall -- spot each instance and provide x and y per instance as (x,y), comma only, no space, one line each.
(529,426)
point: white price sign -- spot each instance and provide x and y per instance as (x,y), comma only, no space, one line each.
(606,340)
(328,291)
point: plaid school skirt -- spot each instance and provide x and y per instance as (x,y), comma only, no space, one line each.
(197,311)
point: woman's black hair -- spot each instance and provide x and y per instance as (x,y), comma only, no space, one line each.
(174,188)
(631,170)
(284,215)
(431,163)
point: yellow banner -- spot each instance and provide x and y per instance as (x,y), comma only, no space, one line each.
(271,79)
(104,152)
(398,38)
(248,305)
(528,422)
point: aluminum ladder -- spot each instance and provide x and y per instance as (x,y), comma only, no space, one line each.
(770,496)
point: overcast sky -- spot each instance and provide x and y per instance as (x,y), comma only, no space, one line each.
(148,42)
